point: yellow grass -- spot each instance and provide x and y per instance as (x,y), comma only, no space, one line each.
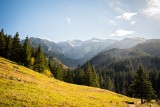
(20,86)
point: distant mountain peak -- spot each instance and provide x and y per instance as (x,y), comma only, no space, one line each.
(135,38)
(74,43)
(96,40)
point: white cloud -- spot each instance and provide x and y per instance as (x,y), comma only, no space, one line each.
(133,22)
(126,16)
(116,5)
(119,10)
(122,32)
(152,8)
(68,20)
(112,22)
(108,21)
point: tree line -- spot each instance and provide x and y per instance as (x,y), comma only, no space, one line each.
(117,77)
(136,83)
(34,58)
(23,53)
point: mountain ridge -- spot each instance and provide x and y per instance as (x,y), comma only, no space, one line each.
(75,52)
(147,48)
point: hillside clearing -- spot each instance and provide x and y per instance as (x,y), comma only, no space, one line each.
(20,86)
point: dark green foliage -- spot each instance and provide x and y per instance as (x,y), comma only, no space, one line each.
(79,76)
(102,83)
(121,72)
(68,76)
(141,87)
(56,69)
(93,78)
(39,64)
(16,49)
(2,43)
(109,83)
(86,76)
(8,47)
(59,72)
(26,53)
(158,84)
(11,48)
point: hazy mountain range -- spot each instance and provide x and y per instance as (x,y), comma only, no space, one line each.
(75,52)
(147,50)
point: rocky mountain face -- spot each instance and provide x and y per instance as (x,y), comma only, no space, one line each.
(75,52)
(84,49)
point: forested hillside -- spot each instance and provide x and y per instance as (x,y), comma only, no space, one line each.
(117,66)
(32,57)
(113,69)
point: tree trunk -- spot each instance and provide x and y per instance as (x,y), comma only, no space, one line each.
(141,100)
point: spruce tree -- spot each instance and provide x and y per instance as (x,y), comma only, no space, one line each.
(141,87)
(2,43)
(8,47)
(68,76)
(59,73)
(93,78)
(80,76)
(26,53)
(90,76)
(101,81)
(16,49)
(87,74)
(109,83)
(39,63)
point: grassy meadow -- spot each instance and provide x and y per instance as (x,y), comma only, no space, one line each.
(20,86)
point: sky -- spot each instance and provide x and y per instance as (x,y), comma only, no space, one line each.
(61,20)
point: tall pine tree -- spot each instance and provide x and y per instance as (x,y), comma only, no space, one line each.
(26,53)
(16,49)
(87,74)
(90,76)
(93,78)
(109,83)
(2,43)
(59,72)
(141,87)
(8,47)
(39,63)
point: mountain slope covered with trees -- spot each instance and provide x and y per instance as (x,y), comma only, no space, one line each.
(119,65)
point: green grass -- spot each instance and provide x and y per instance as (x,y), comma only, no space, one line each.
(24,87)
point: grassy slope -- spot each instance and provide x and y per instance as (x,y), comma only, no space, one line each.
(24,87)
